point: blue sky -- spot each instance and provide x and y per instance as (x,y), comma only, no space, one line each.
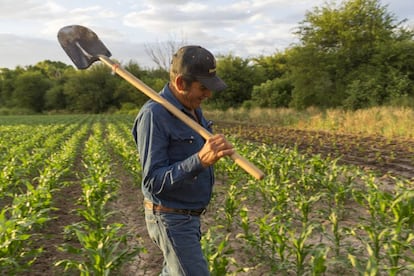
(245,28)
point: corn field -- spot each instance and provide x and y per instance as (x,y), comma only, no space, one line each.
(71,204)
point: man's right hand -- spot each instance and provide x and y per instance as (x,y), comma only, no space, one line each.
(215,148)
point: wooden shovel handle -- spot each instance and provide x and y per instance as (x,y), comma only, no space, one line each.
(241,161)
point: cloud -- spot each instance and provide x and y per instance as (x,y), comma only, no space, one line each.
(190,15)
(23,51)
(245,28)
(37,10)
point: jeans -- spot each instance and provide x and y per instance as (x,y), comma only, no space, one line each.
(178,236)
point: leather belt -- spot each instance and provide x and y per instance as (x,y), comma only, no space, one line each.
(162,209)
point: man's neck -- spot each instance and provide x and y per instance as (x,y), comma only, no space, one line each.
(180,97)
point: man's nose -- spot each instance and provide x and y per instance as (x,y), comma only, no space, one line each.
(208,93)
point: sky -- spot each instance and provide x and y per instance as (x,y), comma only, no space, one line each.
(245,28)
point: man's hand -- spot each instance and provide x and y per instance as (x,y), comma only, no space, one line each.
(215,148)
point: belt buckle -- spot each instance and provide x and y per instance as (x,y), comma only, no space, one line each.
(193,212)
(198,212)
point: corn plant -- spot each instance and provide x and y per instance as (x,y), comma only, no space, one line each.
(319,260)
(103,250)
(401,237)
(231,205)
(217,252)
(301,248)
(125,148)
(16,253)
(336,234)
(273,243)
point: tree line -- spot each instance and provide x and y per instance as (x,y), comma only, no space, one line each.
(352,55)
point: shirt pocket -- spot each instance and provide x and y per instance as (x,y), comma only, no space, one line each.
(182,146)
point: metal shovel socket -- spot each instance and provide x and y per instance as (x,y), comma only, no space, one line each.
(82,45)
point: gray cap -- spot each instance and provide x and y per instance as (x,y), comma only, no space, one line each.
(199,63)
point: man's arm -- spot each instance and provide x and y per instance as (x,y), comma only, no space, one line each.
(158,174)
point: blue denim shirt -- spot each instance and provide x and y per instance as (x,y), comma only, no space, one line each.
(172,173)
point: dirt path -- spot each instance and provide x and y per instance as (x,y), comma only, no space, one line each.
(131,213)
(52,234)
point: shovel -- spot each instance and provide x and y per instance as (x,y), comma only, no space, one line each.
(84,47)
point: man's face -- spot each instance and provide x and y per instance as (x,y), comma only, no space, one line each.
(194,94)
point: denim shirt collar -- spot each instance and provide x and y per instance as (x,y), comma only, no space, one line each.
(168,95)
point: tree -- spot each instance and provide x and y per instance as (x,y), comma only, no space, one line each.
(91,90)
(399,59)
(336,42)
(127,93)
(29,90)
(240,76)
(50,69)
(7,77)
(161,52)
(272,93)
(274,66)
(58,73)
(312,81)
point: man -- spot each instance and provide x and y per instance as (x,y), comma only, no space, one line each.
(177,173)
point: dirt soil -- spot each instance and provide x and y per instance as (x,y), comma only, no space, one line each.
(377,153)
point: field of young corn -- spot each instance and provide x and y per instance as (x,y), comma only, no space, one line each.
(71,203)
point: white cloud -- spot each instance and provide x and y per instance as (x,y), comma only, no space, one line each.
(24,51)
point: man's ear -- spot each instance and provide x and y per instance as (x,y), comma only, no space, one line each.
(180,83)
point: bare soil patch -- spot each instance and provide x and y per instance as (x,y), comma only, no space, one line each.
(377,153)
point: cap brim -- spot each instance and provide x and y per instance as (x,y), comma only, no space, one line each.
(212,83)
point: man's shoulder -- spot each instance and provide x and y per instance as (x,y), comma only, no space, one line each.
(149,105)
(152,107)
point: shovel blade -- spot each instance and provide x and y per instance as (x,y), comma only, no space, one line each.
(82,45)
